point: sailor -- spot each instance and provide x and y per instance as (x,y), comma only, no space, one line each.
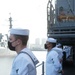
(52,61)
(67,50)
(59,50)
(25,61)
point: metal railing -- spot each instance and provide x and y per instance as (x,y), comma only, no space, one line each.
(41,64)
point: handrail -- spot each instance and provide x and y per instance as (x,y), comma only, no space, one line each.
(42,67)
(63,31)
(38,65)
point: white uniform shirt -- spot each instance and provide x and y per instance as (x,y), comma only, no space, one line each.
(67,50)
(59,51)
(60,56)
(52,63)
(23,64)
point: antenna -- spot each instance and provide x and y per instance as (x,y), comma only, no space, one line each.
(10,21)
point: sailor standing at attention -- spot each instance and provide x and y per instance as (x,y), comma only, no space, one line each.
(59,50)
(25,61)
(52,61)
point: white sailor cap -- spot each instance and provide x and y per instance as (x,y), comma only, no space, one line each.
(51,40)
(19,31)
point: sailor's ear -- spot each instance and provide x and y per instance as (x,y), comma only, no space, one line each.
(18,41)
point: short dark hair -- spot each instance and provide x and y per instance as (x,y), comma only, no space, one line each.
(23,38)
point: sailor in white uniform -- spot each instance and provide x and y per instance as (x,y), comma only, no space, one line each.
(25,61)
(59,50)
(53,66)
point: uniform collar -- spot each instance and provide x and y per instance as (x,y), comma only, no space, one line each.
(31,54)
